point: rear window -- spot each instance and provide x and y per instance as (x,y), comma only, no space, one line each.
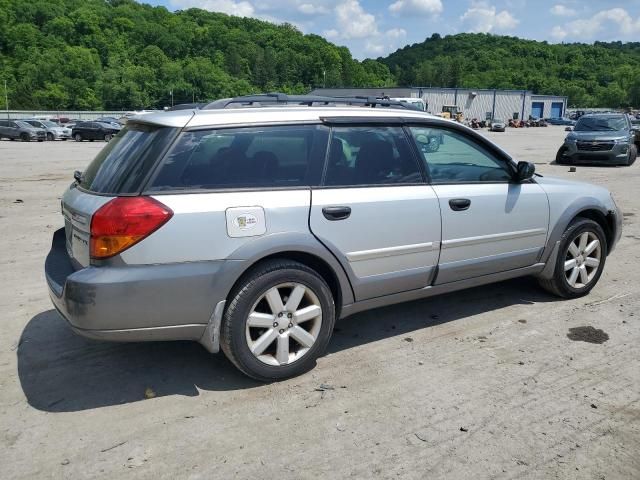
(123,164)
(255,157)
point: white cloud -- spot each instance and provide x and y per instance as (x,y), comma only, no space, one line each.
(374,48)
(396,33)
(482,17)
(311,9)
(416,7)
(240,8)
(562,11)
(353,21)
(615,23)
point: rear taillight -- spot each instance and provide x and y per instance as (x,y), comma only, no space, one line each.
(123,222)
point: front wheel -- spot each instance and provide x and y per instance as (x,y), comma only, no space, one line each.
(25,137)
(77,137)
(561,159)
(107,137)
(633,154)
(278,321)
(581,258)
(50,137)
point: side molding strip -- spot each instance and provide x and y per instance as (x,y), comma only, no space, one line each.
(496,237)
(391,251)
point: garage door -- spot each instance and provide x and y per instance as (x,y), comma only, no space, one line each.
(537,109)
(556,109)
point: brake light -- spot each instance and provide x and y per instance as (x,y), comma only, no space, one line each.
(123,222)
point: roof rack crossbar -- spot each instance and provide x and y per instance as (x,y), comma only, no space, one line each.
(269,99)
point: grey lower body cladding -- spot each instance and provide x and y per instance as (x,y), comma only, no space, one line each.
(133,303)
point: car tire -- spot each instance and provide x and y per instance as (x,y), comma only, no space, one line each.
(633,154)
(77,137)
(267,345)
(108,137)
(50,137)
(568,279)
(560,158)
(24,137)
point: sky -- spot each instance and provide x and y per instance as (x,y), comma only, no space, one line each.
(373,28)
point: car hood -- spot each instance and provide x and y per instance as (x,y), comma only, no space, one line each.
(599,135)
(555,183)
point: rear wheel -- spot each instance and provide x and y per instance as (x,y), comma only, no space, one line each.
(279,321)
(581,258)
(24,137)
(77,137)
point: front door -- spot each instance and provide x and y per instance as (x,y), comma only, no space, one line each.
(376,213)
(489,223)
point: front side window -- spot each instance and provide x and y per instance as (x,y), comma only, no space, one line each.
(370,156)
(254,157)
(452,157)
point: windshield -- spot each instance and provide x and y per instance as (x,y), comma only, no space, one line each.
(601,123)
(24,124)
(49,124)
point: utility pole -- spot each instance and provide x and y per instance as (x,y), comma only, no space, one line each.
(324,79)
(171,93)
(6,98)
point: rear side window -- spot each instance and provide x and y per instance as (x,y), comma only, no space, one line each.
(260,157)
(370,156)
(123,164)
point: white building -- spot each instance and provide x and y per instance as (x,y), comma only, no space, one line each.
(482,104)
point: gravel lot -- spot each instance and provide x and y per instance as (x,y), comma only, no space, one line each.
(485,383)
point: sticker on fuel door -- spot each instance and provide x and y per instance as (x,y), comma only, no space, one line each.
(245,222)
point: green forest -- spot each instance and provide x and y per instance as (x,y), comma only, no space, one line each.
(121,55)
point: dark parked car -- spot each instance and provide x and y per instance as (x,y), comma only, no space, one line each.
(93,131)
(608,138)
(561,121)
(17,129)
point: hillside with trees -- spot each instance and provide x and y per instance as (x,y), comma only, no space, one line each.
(598,75)
(119,54)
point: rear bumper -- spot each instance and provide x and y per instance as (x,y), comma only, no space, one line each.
(133,303)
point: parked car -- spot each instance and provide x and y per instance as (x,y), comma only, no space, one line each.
(497,125)
(561,121)
(253,230)
(93,131)
(17,129)
(112,122)
(53,130)
(606,138)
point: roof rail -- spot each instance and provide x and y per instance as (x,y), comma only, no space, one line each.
(268,99)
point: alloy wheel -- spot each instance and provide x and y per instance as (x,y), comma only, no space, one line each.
(582,259)
(284,324)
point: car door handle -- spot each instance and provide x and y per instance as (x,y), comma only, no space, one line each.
(459,204)
(336,213)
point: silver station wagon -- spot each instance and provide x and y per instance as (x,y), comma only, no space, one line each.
(253,224)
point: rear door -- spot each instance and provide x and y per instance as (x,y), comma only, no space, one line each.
(489,223)
(376,213)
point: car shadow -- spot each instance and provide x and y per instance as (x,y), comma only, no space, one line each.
(60,371)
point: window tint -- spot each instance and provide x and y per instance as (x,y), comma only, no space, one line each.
(454,158)
(290,156)
(124,162)
(370,156)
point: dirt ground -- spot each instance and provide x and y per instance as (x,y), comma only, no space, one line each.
(493,382)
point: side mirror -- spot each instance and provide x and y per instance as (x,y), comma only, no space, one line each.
(525,171)
(568,129)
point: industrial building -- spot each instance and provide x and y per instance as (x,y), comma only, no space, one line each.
(482,104)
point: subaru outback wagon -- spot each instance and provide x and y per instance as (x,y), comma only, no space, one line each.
(253,229)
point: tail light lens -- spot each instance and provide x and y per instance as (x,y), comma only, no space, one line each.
(123,222)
